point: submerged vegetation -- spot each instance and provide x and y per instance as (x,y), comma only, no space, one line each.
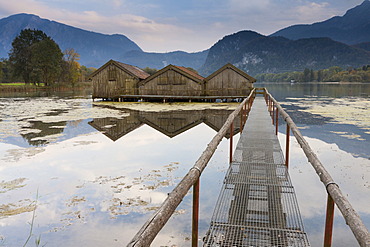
(332,74)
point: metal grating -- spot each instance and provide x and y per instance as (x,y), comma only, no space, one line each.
(257,205)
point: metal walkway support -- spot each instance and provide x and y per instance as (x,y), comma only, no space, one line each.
(257,205)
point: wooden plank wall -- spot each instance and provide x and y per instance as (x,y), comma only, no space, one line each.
(228,83)
(105,87)
(171,83)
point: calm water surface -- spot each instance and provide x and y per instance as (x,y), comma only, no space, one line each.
(90,175)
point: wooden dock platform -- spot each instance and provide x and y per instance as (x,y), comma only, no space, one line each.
(257,205)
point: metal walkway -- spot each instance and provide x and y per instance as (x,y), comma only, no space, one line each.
(257,205)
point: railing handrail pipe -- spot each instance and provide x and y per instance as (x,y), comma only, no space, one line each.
(151,228)
(350,215)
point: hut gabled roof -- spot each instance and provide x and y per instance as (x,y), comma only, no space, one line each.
(192,73)
(182,70)
(230,66)
(129,69)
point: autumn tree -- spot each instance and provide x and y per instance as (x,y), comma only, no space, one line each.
(72,67)
(86,72)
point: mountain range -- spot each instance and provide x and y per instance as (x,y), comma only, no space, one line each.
(255,53)
(340,41)
(352,28)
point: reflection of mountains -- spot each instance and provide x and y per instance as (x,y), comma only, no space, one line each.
(170,123)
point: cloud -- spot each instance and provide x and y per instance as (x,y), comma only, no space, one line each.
(190,26)
(249,6)
(146,32)
(313,12)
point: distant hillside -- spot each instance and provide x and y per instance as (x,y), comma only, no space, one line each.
(255,53)
(352,28)
(160,60)
(365,46)
(95,48)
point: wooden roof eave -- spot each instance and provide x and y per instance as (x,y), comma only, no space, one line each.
(230,66)
(117,64)
(100,69)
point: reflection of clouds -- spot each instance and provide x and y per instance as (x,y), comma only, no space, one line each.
(81,183)
(352,174)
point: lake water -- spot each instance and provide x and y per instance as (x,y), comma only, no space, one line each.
(78,173)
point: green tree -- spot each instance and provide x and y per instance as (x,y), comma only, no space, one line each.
(306,75)
(150,71)
(21,53)
(46,61)
(6,71)
(1,71)
(320,75)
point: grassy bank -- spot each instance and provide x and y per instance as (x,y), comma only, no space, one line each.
(24,87)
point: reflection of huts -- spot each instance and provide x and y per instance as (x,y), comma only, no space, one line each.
(115,128)
(172,81)
(114,79)
(172,123)
(228,81)
(216,118)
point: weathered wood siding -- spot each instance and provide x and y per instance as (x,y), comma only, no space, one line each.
(228,83)
(112,82)
(171,82)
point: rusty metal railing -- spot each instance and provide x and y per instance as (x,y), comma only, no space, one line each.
(335,195)
(151,228)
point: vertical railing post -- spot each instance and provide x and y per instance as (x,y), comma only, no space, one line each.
(277,121)
(287,144)
(329,222)
(241,120)
(273,112)
(231,141)
(194,235)
(245,112)
(265,96)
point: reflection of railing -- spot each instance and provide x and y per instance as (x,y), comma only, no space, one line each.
(151,228)
(335,194)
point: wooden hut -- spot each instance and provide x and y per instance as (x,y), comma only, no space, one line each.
(172,81)
(114,79)
(228,81)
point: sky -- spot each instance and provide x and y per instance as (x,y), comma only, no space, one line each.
(187,25)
